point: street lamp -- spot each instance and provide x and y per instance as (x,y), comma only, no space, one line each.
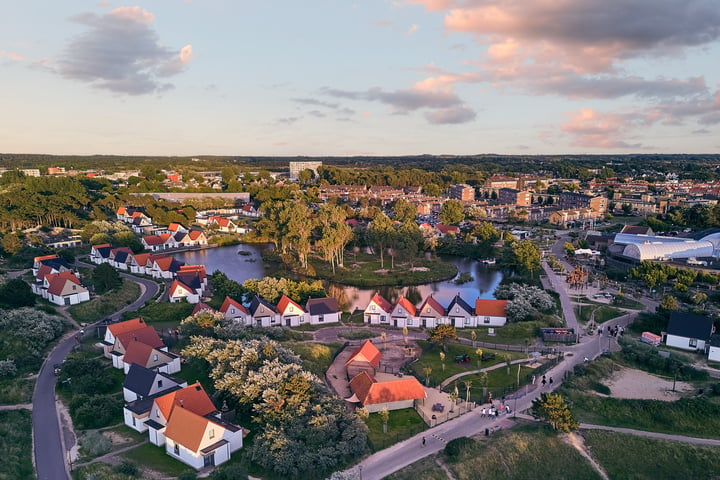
(360,470)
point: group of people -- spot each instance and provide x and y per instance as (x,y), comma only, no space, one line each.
(494,411)
(612,331)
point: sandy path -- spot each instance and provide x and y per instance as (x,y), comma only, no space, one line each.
(630,383)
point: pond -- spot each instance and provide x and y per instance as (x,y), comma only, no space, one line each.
(250,265)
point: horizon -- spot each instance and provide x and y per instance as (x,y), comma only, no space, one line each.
(381,78)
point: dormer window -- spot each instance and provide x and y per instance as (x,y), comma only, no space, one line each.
(291,308)
(211,433)
(372,307)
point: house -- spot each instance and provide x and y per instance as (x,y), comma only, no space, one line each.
(122,214)
(126,343)
(263,312)
(460,314)
(114,330)
(174,228)
(187,423)
(164,267)
(714,348)
(100,253)
(141,382)
(403,314)
(291,314)
(443,230)
(185,272)
(323,310)
(431,313)
(139,353)
(54,262)
(688,331)
(195,237)
(393,394)
(120,258)
(365,359)
(235,311)
(139,263)
(378,310)
(179,290)
(156,243)
(223,224)
(637,230)
(140,223)
(61,288)
(490,313)
(249,211)
(202,307)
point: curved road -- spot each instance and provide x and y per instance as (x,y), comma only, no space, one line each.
(50,456)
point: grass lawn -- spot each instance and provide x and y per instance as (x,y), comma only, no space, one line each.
(402,424)
(316,357)
(16,390)
(16,445)
(622,301)
(361,270)
(167,314)
(431,358)
(517,333)
(641,458)
(103,305)
(359,334)
(425,469)
(155,458)
(603,313)
(498,382)
(98,471)
(524,453)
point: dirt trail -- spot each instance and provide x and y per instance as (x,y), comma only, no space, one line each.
(578,443)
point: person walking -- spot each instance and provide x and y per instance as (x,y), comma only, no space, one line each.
(423,441)
(551,381)
(544,381)
(482,412)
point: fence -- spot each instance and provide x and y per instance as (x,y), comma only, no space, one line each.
(436,418)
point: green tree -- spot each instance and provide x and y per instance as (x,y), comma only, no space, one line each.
(385,417)
(380,232)
(432,190)
(442,334)
(527,256)
(452,212)
(553,408)
(105,278)
(16,293)
(668,304)
(404,211)
(11,243)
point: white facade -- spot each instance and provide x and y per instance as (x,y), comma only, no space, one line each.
(684,343)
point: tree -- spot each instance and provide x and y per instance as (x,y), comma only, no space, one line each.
(380,232)
(479,354)
(553,408)
(105,278)
(442,360)
(569,248)
(668,304)
(404,211)
(16,293)
(468,386)
(11,243)
(385,416)
(427,371)
(527,256)
(405,335)
(442,334)
(473,337)
(452,212)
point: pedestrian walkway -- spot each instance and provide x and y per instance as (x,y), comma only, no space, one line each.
(661,436)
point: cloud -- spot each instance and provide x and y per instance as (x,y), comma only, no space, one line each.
(403,101)
(315,102)
(701,131)
(15,57)
(287,120)
(316,113)
(452,115)
(413,28)
(120,52)
(593,129)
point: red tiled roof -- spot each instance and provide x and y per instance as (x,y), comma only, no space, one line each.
(121,211)
(490,308)
(409,307)
(164,263)
(366,353)
(382,303)
(229,302)
(104,245)
(188,428)
(192,397)
(153,240)
(202,307)
(434,304)
(137,352)
(43,270)
(176,284)
(57,281)
(370,392)
(285,302)
(141,258)
(447,228)
(147,335)
(195,234)
(45,257)
(126,326)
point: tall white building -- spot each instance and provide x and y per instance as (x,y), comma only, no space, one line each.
(297,167)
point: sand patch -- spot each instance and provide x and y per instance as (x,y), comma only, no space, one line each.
(419,269)
(630,383)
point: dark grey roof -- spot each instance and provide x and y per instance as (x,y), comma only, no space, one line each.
(688,325)
(141,380)
(56,263)
(715,341)
(461,303)
(104,252)
(192,280)
(257,302)
(121,257)
(322,306)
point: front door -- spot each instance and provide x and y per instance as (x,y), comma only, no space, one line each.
(287,322)
(209,460)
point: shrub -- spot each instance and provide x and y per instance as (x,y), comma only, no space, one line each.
(187,475)
(600,388)
(456,446)
(7,368)
(127,468)
(95,443)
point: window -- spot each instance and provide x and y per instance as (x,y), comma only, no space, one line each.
(400,310)
(693,343)
(292,309)
(457,309)
(159,383)
(155,358)
(487,320)
(467,321)
(409,321)
(428,310)
(177,449)
(133,421)
(211,433)
(321,318)
(382,318)
(232,311)
(372,307)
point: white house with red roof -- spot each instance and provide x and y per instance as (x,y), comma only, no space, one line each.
(490,313)
(431,313)
(223,224)
(139,353)
(61,288)
(378,311)
(125,342)
(180,291)
(120,258)
(444,230)
(393,394)
(140,262)
(235,311)
(164,267)
(188,424)
(291,314)
(364,359)
(403,314)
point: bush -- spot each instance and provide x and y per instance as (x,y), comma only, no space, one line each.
(127,468)
(456,446)
(95,443)
(7,368)
(229,472)
(95,411)
(187,475)
(600,388)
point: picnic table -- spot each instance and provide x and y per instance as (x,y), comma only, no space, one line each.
(438,407)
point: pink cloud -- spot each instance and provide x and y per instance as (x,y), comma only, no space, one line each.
(593,129)
(136,14)
(12,56)
(413,28)
(186,54)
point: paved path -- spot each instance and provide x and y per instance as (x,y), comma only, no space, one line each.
(449,380)
(662,436)
(48,441)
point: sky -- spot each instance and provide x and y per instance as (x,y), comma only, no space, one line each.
(373,77)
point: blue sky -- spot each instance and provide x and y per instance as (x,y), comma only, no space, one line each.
(377,77)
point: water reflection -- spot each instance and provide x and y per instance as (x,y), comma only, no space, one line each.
(242,267)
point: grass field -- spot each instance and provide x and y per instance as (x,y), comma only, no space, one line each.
(632,457)
(402,424)
(517,333)
(316,357)
(103,305)
(603,313)
(16,390)
(16,445)
(155,458)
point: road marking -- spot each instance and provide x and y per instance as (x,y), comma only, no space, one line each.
(439,438)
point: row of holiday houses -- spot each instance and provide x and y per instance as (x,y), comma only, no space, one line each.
(430,313)
(57,281)
(287,313)
(179,417)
